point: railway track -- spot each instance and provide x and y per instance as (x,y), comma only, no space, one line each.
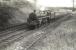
(43,35)
(12,29)
(9,37)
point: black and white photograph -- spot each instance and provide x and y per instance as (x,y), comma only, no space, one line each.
(37,24)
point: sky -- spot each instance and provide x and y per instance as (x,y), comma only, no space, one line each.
(55,3)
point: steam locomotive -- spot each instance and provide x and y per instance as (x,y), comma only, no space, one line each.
(43,19)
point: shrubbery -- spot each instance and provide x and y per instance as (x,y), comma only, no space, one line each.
(7,7)
(5,15)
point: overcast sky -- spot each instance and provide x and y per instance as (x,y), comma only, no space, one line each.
(55,3)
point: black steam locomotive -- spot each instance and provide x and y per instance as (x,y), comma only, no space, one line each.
(46,18)
(41,20)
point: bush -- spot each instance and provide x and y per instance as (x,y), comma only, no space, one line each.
(5,15)
(7,9)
